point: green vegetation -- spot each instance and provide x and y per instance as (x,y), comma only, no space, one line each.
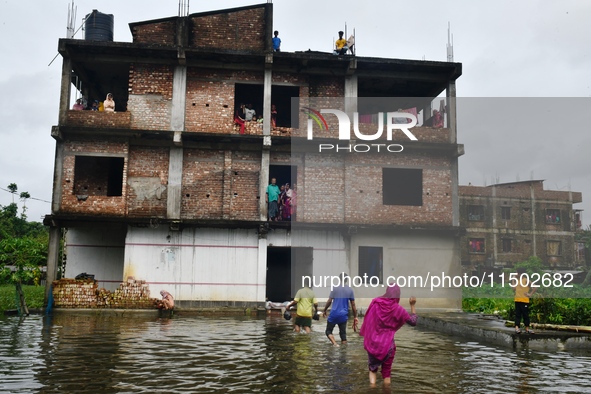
(549,305)
(23,249)
(34,294)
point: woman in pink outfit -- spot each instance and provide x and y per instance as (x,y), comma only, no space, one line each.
(383,318)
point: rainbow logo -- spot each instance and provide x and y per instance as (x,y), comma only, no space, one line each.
(316,116)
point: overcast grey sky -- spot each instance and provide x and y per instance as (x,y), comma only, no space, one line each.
(516,50)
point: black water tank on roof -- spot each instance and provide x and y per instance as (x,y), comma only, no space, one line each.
(98,26)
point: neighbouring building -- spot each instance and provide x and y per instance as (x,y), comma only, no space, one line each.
(509,222)
(167,189)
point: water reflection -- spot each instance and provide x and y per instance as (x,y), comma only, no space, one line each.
(141,354)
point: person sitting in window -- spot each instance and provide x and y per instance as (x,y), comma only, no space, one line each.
(437,119)
(78,106)
(109,104)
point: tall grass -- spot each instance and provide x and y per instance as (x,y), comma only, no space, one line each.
(34,296)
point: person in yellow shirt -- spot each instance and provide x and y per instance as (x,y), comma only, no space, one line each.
(341,45)
(307,308)
(523,292)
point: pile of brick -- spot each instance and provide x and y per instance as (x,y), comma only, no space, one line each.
(75,293)
(84,293)
(133,294)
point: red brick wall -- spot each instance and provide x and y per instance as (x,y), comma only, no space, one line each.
(220,185)
(245,171)
(150,96)
(202,190)
(240,30)
(99,119)
(160,33)
(92,205)
(210,100)
(349,189)
(147,181)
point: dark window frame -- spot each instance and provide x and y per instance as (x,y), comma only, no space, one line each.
(506,245)
(476,213)
(371,262)
(506,213)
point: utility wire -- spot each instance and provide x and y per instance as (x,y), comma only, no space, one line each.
(30,198)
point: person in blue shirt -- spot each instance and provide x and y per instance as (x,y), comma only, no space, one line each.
(276,42)
(339,298)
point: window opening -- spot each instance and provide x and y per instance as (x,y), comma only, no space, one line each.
(506,213)
(98,176)
(476,245)
(475,212)
(554,248)
(402,186)
(553,216)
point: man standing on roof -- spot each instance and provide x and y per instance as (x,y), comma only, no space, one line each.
(276,42)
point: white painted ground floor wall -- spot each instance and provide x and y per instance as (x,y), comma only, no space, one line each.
(230,265)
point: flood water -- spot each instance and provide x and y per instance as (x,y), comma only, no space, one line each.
(73,353)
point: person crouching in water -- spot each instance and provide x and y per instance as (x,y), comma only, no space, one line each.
(383,318)
(167,300)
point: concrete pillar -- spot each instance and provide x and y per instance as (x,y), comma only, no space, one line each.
(455,197)
(451,112)
(58,171)
(175,180)
(55,234)
(533,220)
(451,124)
(179,98)
(264,181)
(495,231)
(262,270)
(177,124)
(267,84)
(266,153)
(351,86)
(227,186)
(65,90)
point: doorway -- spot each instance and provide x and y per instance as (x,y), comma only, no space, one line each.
(283,174)
(285,268)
